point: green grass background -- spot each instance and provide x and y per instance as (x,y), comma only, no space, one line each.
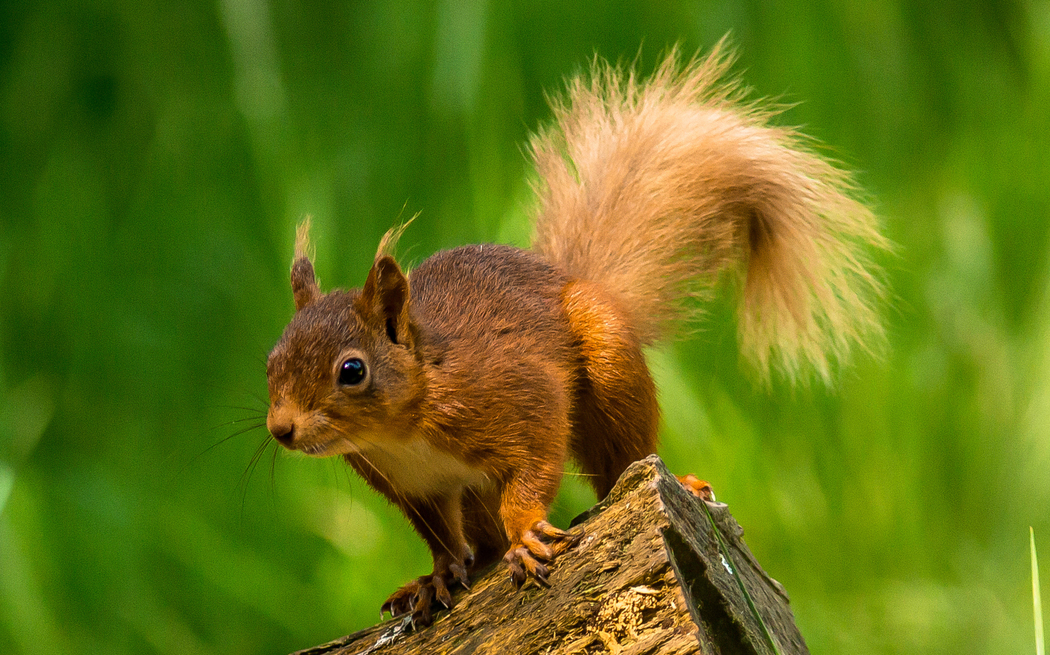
(154,158)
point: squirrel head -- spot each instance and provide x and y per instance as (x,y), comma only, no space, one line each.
(345,373)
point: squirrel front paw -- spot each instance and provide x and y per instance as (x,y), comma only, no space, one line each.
(542,541)
(417,597)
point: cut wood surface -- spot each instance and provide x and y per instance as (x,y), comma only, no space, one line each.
(656,571)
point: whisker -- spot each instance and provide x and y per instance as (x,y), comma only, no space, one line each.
(252,463)
(273,470)
(579,474)
(246,475)
(228,391)
(256,410)
(485,506)
(400,499)
(234,435)
(196,457)
(260,421)
(262,401)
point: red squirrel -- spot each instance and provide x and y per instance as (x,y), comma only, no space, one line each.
(459,390)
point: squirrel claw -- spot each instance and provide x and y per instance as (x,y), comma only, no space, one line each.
(523,565)
(517,573)
(543,542)
(459,574)
(413,599)
(416,598)
(558,540)
(406,599)
(441,592)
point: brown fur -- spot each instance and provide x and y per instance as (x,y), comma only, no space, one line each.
(460,390)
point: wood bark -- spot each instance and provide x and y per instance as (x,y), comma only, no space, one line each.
(656,571)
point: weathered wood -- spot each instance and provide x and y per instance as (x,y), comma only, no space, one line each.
(649,576)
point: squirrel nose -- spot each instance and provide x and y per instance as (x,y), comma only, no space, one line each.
(281,428)
(285,435)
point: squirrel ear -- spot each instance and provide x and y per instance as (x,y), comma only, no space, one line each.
(386,294)
(304,285)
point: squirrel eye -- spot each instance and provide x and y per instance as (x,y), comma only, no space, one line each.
(352,372)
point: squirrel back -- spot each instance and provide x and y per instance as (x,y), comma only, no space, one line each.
(654,189)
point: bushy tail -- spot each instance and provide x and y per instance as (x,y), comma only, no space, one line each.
(655,188)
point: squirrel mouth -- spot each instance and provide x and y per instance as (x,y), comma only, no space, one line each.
(338,446)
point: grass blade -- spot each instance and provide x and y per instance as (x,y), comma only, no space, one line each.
(1040,645)
(728,557)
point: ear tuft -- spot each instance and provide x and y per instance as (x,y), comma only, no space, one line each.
(302,240)
(304,283)
(389,241)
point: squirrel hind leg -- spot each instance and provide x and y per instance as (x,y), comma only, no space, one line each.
(615,413)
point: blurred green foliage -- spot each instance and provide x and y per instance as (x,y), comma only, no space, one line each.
(154,158)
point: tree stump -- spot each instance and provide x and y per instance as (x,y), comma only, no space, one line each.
(656,571)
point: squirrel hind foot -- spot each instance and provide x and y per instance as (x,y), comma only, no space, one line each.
(699,488)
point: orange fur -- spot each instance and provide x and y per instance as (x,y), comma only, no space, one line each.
(459,391)
(655,188)
(615,414)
